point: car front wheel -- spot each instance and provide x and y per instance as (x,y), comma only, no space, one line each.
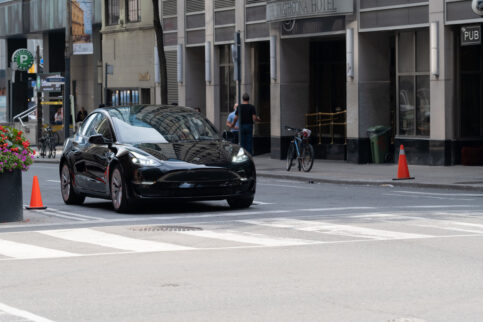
(69,195)
(240,202)
(119,198)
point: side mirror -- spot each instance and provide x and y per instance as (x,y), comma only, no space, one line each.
(99,140)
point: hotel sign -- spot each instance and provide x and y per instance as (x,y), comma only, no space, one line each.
(293,9)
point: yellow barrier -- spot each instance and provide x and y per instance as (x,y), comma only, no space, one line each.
(318,122)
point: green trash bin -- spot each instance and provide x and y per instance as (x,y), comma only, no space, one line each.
(380,139)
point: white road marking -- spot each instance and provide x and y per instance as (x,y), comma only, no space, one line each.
(74,214)
(262,203)
(334,229)
(374,215)
(95,237)
(64,214)
(442,206)
(426,197)
(285,186)
(441,194)
(26,251)
(250,238)
(23,314)
(55,181)
(336,209)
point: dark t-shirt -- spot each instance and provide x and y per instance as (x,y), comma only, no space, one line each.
(247,112)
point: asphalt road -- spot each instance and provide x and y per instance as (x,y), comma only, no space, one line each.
(302,252)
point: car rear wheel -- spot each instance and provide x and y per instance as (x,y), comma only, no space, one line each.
(70,196)
(119,198)
(240,202)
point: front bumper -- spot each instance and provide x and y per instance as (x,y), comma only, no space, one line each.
(193,184)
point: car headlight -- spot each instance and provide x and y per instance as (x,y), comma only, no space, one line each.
(143,160)
(240,157)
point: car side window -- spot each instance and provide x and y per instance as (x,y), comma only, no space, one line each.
(87,124)
(91,128)
(104,128)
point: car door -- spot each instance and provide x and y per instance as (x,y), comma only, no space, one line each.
(98,156)
(78,153)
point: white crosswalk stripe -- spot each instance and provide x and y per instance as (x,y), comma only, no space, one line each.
(99,238)
(276,232)
(250,238)
(335,229)
(26,251)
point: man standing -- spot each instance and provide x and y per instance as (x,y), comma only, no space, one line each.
(234,130)
(247,115)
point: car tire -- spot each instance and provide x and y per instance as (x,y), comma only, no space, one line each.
(69,195)
(240,202)
(118,188)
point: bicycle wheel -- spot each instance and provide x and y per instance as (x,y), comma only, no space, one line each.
(52,149)
(307,157)
(290,156)
(42,148)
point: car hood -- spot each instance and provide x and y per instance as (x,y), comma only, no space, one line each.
(210,153)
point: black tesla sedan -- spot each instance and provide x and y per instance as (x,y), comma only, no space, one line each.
(150,152)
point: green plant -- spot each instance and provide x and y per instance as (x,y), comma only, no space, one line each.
(15,150)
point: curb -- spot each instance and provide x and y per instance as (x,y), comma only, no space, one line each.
(53,161)
(370,182)
(343,181)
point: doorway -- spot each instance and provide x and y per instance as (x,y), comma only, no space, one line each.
(327,98)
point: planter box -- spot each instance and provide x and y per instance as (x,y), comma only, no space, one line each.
(11,201)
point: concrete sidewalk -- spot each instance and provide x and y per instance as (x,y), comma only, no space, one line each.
(328,171)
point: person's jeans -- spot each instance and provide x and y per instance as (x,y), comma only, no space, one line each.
(246,137)
(234,137)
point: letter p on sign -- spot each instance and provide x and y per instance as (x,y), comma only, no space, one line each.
(23,58)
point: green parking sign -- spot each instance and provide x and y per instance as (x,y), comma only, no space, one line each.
(23,59)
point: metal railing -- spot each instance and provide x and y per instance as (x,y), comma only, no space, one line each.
(327,125)
(25,113)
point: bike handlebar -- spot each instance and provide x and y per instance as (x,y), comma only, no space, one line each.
(288,128)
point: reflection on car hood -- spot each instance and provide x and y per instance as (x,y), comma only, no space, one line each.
(216,152)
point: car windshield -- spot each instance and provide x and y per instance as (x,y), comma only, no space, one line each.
(157,124)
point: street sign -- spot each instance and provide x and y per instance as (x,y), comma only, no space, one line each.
(51,82)
(470,35)
(23,59)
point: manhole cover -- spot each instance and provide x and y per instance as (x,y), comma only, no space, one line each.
(165,228)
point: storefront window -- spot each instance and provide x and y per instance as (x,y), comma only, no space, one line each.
(227,84)
(124,97)
(413,83)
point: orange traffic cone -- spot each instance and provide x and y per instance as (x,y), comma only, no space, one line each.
(402,170)
(36,198)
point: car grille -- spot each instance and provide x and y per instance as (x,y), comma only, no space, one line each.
(200,175)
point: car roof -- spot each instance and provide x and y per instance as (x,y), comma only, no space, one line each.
(139,107)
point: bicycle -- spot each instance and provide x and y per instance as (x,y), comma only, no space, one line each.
(47,143)
(301,149)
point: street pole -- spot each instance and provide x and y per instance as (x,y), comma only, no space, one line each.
(105,84)
(39,99)
(68,45)
(237,76)
(10,106)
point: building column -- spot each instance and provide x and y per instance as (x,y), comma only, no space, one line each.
(442,113)
(290,91)
(180,12)
(213,87)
